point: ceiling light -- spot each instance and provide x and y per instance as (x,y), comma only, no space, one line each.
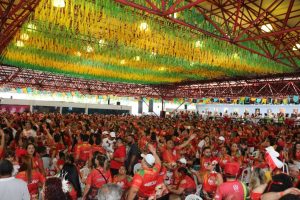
(199,44)
(267,28)
(162,69)
(31,27)
(122,62)
(78,53)
(137,58)
(153,53)
(296,47)
(59,3)
(19,43)
(144,26)
(235,56)
(89,49)
(24,36)
(102,43)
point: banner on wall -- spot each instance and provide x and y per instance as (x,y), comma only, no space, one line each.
(15,108)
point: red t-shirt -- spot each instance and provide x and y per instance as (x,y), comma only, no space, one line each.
(205,163)
(36,178)
(210,182)
(124,183)
(98,148)
(120,152)
(1,152)
(146,180)
(231,190)
(83,150)
(188,184)
(222,161)
(95,178)
(170,156)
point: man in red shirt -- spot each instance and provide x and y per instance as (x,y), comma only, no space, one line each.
(118,157)
(232,188)
(83,150)
(145,180)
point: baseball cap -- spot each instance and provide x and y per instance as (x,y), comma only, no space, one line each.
(112,134)
(182,160)
(232,168)
(222,138)
(149,158)
(105,133)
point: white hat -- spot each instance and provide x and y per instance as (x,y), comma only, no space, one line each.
(149,158)
(112,134)
(105,133)
(222,138)
(182,160)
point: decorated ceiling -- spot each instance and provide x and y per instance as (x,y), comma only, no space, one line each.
(107,41)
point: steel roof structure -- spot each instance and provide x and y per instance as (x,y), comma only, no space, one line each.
(237,23)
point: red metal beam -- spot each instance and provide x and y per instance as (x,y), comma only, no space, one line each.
(236,17)
(270,34)
(172,9)
(259,18)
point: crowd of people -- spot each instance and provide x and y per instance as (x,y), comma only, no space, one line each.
(78,156)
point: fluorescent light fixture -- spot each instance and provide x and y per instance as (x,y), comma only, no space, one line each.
(102,43)
(296,47)
(31,27)
(59,3)
(78,53)
(89,49)
(19,43)
(122,62)
(143,26)
(137,58)
(24,36)
(267,28)
(199,44)
(236,56)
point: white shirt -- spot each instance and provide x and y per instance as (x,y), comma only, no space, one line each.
(13,189)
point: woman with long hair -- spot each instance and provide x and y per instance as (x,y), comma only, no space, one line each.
(185,187)
(70,173)
(53,190)
(36,160)
(31,176)
(258,183)
(99,176)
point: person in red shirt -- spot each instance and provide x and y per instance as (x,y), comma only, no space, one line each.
(145,180)
(122,179)
(83,151)
(2,138)
(170,153)
(37,162)
(211,180)
(232,188)
(185,187)
(118,157)
(31,176)
(98,176)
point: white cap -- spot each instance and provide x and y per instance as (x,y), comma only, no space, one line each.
(105,133)
(182,160)
(149,158)
(222,138)
(112,134)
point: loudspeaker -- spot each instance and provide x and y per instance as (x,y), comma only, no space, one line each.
(162,114)
(194,100)
(118,103)
(185,106)
(140,108)
(150,105)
